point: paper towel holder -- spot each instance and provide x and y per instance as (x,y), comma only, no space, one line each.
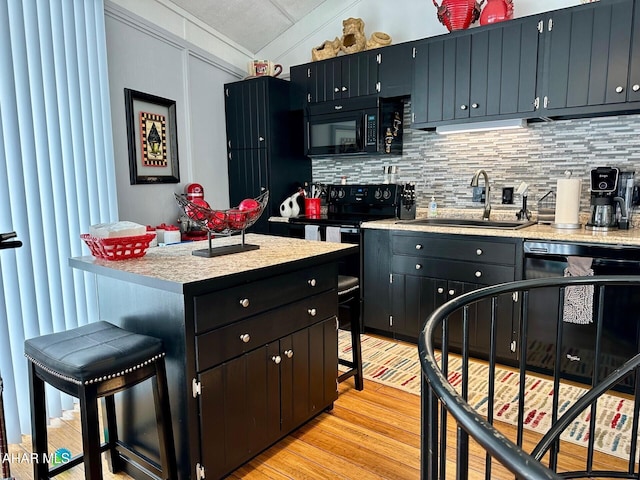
(563,195)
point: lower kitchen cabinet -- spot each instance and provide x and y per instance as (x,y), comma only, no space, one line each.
(427,269)
(249,402)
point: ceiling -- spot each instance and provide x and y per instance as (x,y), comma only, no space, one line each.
(252,24)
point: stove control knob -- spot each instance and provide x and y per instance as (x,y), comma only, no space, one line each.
(378,194)
(387,194)
(341,193)
(333,194)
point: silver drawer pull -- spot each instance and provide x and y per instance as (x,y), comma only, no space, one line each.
(312,312)
(452,292)
(418,266)
(288,353)
(478,274)
(245,337)
(636,87)
(276,359)
(418,246)
(244,302)
(479,251)
(312,282)
(619,89)
(440,290)
(336,89)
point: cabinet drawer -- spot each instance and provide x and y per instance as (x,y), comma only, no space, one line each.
(456,249)
(471,272)
(225,306)
(216,346)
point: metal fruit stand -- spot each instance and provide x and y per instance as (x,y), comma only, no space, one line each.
(5,471)
(223,223)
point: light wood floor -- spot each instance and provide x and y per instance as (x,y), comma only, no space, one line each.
(372,434)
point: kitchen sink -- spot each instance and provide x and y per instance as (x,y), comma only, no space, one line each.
(467,222)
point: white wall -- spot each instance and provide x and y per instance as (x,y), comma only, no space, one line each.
(144,58)
(404,20)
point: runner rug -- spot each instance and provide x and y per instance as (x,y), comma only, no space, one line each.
(397,365)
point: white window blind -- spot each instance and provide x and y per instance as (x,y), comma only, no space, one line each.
(57,177)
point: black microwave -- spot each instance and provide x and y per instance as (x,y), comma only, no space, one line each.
(355,126)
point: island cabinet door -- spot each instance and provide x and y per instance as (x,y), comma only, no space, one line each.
(308,373)
(239,410)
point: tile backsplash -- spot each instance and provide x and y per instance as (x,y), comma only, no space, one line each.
(443,165)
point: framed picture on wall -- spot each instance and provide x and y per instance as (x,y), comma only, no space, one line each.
(152,138)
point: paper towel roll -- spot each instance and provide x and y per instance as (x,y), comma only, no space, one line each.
(568,201)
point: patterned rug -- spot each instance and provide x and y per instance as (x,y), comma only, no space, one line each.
(396,365)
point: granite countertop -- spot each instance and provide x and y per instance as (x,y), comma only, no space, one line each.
(173,267)
(533,232)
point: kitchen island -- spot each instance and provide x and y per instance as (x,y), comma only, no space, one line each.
(250,337)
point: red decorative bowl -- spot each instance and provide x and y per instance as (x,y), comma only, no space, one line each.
(119,248)
(223,221)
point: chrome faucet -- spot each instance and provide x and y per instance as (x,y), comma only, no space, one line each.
(487,202)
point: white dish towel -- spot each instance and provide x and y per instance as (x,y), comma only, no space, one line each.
(578,299)
(334,235)
(312,232)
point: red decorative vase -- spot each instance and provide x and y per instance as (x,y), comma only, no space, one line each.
(458,14)
(496,11)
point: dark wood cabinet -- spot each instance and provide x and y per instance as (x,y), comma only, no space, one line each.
(375,275)
(264,143)
(486,74)
(251,401)
(345,76)
(394,70)
(425,271)
(588,57)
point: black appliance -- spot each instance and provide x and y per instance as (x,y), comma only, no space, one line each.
(604,198)
(620,335)
(357,126)
(348,206)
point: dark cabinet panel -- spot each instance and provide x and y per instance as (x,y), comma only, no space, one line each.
(589,49)
(341,77)
(240,412)
(480,75)
(259,118)
(633,92)
(395,69)
(427,270)
(375,275)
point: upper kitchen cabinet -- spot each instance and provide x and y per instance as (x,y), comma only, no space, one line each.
(592,61)
(345,76)
(394,70)
(264,143)
(484,74)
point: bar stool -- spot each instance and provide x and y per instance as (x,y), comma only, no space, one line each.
(89,362)
(349,315)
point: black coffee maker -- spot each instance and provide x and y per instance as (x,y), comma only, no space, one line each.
(604,201)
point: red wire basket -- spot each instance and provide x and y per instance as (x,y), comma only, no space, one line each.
(223,222)
(118,248)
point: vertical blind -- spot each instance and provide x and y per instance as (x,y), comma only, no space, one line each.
(57,177)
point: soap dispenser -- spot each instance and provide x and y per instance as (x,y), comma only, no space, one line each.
(433,208)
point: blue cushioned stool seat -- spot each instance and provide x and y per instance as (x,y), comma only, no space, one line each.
(89,362)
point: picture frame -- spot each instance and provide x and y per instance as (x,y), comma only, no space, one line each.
(152,138)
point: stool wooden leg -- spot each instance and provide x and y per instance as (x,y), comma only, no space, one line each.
(356,348)
(164,422)
(111,434)
(90,433)
(39,443)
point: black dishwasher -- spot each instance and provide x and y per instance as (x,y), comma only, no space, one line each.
(620,334)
